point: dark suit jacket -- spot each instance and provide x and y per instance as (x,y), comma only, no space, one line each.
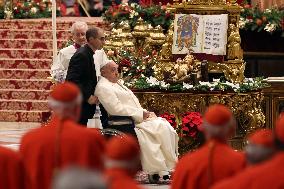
(82,72)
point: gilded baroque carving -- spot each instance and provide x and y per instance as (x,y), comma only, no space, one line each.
(177,103)
(166,51)
(232,69)
(164,66)
(206,2)
(234,50)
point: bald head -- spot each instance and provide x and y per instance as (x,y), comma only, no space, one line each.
(110,71)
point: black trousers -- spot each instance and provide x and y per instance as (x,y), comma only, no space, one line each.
(88,111)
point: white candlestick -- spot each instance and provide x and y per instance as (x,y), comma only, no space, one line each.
(54,38)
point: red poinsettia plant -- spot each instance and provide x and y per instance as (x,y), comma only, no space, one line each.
(171,118)
(190,133)
(191,124)
(188,129)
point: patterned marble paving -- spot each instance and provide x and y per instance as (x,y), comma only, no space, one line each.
(11,133)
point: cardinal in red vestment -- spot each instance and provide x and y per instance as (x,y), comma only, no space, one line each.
(11,170)
(215,160)
(62,142)
(122,161)
(260,146)
(266,175)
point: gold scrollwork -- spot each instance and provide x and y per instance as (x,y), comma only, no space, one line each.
(232,69)
(166,50)
(163,67)
(206,2)
(178,103)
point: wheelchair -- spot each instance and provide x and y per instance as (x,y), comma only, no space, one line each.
(120,125)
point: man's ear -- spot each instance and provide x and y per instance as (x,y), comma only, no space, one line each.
(102,72)
(90,39)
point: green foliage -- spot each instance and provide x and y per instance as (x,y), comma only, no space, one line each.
(176,88)
(253,85)
(255,19)
(33,9)
(142,84)
(154,15)
(250,84)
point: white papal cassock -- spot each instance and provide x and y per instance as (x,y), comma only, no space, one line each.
(158,140)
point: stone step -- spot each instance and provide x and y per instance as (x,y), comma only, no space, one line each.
(33,34)
(30,105)
(9,128)
(24,116)
(10,63)
(62,23)
(19,94)
(25,60)
(24,73)
(26,53)
(30,44)
(27,84)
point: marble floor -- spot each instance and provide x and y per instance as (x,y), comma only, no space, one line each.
(11,133)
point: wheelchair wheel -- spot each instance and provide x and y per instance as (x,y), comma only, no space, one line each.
(108,133)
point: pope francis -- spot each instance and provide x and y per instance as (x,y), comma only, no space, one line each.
(157,139)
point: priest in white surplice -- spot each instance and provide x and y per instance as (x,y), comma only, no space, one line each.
(60,65)
(158,140)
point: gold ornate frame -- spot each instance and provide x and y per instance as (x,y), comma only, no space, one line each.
(232,67)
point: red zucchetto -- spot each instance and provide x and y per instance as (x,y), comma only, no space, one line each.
(218,115)
(65,92)
(263,137)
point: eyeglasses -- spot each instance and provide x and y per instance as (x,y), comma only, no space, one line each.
(101,38)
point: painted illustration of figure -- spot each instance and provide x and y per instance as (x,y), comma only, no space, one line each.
(186,31)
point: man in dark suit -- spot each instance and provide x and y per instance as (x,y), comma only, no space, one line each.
(82,72)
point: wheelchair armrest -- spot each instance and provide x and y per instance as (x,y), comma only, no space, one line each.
(120,120)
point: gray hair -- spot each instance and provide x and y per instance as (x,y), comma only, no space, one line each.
(257,153)
(65,109)
(79,178)
(78,25)
(220,131)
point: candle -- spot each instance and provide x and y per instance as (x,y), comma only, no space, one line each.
(54,39)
